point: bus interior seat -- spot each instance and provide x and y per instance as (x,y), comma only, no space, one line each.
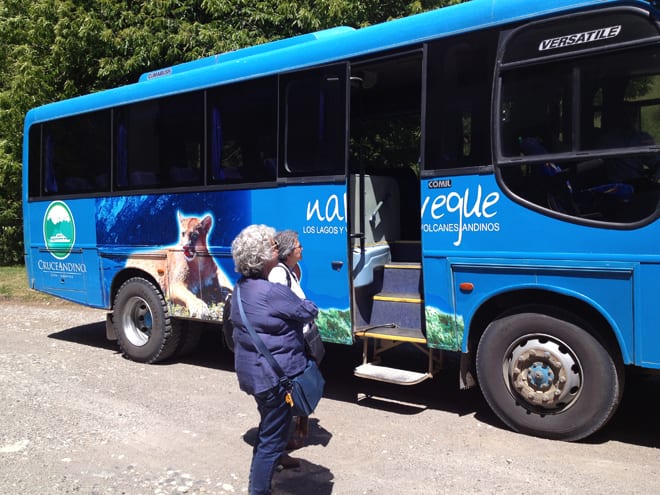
(410,201)
(375,256)
(102,182)
(184,176)
(76,185)
(143,179)
(563,197)
(381,224)
(381,208)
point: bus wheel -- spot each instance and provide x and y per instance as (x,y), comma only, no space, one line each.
(142,323)
(547,377)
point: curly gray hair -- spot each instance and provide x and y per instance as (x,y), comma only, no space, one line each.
(252,249)
(287,240)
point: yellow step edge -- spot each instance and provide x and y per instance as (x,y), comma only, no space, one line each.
(383,336)
(411,266)
(402,299)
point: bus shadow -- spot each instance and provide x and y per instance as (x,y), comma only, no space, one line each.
(90,334)
(210,353)
(633,423)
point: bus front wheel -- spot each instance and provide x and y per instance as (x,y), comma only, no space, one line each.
(547,377)
(144,330)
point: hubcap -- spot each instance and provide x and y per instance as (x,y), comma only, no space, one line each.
(543,373)
(138,321)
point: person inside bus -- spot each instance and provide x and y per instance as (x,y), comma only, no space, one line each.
(277,315)
(287,272)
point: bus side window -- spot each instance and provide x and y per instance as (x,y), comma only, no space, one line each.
(72,154)
(242,132)
(313,119)
(580,122)
(458,100)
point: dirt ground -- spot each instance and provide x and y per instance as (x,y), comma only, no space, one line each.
(76,417)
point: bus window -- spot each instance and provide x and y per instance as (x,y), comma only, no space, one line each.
(242,132)
(159,142)
(314,122)
(35,176)
(72,155)
(458,101)
(605,108)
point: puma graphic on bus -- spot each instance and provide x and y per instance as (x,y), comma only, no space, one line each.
(188,275)
(447,206)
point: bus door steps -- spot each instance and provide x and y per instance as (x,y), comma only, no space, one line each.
(386,337)
(390,375)
(399,298)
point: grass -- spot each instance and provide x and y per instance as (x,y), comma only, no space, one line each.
(14,287)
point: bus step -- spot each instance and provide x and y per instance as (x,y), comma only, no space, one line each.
(390,375)
(391,331)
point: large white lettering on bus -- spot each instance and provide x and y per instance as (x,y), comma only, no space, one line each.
(322,213)
(461,212)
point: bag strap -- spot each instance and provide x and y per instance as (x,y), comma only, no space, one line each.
(259,344)
(287,272)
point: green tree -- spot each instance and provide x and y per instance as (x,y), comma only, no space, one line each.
(56,49)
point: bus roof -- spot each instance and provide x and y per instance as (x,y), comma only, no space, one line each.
(244,52)
(314,49)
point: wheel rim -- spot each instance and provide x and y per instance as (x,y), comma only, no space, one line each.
(138,321)
(543,374)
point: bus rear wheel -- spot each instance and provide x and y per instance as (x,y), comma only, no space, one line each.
(548,377)
(144,330)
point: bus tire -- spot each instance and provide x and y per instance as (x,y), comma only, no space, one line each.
(144,330)
(547,377)
(190,335)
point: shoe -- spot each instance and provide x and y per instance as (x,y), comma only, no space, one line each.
(288,462)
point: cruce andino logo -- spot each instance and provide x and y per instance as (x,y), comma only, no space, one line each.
(59,230)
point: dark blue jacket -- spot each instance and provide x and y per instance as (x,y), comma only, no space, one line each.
(278,316)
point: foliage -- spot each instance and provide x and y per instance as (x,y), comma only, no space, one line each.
(13,288)
(56,49)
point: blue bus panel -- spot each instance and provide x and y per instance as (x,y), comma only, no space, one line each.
(88,241)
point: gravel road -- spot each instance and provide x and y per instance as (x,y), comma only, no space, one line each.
(78,418)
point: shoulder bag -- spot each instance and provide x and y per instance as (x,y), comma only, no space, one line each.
(304,391)
(313,342)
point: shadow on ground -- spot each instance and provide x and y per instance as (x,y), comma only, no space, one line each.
(635,422)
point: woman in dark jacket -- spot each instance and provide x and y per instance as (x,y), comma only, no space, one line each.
(278,316)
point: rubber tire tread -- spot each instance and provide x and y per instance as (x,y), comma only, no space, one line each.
(602,383)
(189,338)
(164,337)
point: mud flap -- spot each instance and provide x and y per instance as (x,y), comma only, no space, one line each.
(110,333)
(466,378)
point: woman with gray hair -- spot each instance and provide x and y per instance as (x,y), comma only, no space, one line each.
(278,316)
(287,270)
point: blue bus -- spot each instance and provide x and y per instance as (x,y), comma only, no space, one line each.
(481,180)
